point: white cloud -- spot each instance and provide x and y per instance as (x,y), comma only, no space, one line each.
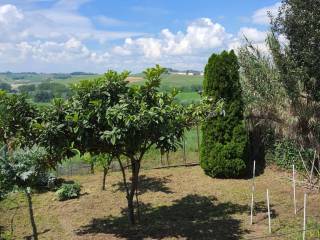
(252,34)
(58,23)
(9,14)
(201,35)
(261,15)
(60,39)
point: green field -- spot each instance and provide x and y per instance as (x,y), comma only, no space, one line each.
(188,86)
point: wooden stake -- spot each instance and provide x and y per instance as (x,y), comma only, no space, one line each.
(198,141)
(304,217)
(269,215)
(294,190)
(252,194)
(184,150)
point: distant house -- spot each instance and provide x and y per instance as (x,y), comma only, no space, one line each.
(186,73)
(180,73)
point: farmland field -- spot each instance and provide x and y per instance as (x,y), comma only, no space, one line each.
(177,203)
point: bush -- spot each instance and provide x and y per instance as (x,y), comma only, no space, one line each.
(286,153)
(224,144)
(68,191)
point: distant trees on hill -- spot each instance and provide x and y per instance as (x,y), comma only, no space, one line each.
(46,91)
(5,87)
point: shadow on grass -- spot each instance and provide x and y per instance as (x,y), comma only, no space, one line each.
(30,237)
(152,184)
(192,217)
(261,211)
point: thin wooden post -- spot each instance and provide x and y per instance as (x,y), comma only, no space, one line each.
(304,217)
(198,141)
(294,190)
(269,215)
(168,159)
(184,150)
(252,194)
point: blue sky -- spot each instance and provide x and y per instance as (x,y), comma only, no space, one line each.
(92,35)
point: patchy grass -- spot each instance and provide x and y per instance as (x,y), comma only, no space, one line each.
(176,203)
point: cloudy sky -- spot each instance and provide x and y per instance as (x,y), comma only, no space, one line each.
(96,35)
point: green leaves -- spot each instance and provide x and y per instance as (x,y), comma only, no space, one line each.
(23,167)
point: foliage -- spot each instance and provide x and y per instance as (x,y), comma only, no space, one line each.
(27,88)
(5,87)
(17,116)
(287,153)
(90,103)
(282,89)
(121,120)
(299,22)
(42,96)
(55,131)
(5,185)
(224,137)
(23,166)
(68,191)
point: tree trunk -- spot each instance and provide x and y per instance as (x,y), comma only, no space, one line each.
(133,188)
(105,172)
(32,221)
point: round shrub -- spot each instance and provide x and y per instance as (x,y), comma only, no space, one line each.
(68,191)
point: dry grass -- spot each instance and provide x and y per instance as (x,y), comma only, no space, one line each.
(178,203)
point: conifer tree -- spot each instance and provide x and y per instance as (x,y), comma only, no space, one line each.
(224,137)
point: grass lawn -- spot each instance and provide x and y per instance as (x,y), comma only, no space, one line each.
(177,203)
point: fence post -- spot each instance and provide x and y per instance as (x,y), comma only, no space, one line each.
(184,150)
(252,195)
(269,215)
(294,190)
(304,217)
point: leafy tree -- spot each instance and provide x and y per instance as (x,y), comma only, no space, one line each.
(141,119)
(120,120)
(299,22)
(89,104)
(58,90)
(27,88)
(5,87)
(21,169)
(16,119)
(298,65)
(223,149)
(42,96)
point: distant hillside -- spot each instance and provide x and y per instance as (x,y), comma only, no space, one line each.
(189,83)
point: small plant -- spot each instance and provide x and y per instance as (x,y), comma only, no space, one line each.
(68,191)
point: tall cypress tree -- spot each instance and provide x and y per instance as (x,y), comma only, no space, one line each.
(224,136)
